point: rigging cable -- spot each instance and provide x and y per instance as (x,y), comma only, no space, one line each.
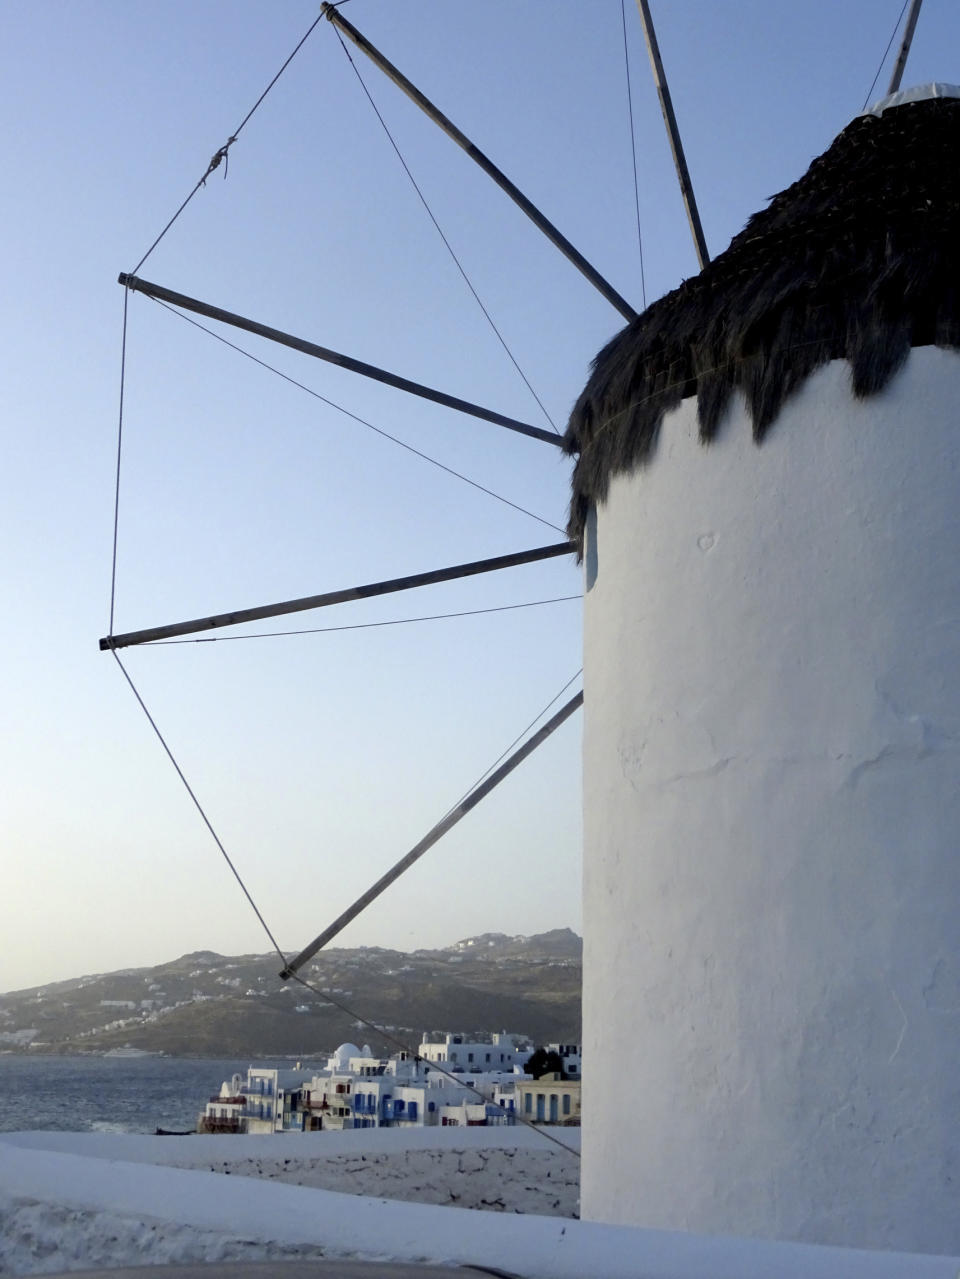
(223,153)
(356,418)
(363,626)
(197,804)
(893,36)
(323,995)
(633,150)
(439,230)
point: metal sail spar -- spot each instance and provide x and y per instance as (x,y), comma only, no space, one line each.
(436,833)
(499,177)
(186,303)
(478,157)
(238,616)
(673,133)
(901,62)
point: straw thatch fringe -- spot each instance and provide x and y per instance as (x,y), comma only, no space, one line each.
(860,260)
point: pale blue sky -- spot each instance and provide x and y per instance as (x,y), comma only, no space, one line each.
(322,758)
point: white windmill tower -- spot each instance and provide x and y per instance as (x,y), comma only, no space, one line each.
(772,734)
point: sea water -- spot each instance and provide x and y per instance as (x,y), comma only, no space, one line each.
(110,1094)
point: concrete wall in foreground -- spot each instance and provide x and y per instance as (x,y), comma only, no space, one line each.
(772,824)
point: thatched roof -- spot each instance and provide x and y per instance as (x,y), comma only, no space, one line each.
(859,259)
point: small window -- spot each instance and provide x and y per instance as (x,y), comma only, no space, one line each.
(566,1103)
(528,1102)
(431,1106)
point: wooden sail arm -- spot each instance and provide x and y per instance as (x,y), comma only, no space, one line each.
(186,303)
(432,836)
(901,62)
(673,133)
(238,616)
(478,157)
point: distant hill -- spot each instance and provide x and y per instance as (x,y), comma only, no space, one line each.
(205,1004)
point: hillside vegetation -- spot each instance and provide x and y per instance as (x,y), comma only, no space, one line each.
(205,1004)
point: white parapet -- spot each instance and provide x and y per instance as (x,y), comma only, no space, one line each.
(111,1200)
(772,821)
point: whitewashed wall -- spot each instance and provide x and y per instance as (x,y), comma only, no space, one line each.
(772,824)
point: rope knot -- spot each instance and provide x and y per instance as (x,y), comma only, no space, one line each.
(215,159)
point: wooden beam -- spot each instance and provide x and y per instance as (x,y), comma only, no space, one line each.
(335,357)
(905,44)
(673,133)
(478,157)
(238,616)
(432,836)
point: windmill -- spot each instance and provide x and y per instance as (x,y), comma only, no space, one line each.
(599,466)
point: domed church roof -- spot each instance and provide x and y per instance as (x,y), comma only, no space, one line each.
(345,1052)
(859,259)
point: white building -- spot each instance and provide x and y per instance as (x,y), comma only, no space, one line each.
(263,1102)
(551,1099)
(357,1061)
(570,1055)
(359,1090)
(456,1053)
(772,719)
(407,1094)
